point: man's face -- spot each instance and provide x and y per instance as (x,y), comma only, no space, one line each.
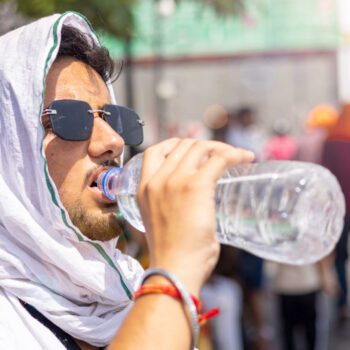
(74,165)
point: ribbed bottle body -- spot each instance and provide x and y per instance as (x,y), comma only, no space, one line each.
(287,211)
(290,212)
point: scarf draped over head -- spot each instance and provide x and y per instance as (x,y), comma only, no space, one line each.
(83,286)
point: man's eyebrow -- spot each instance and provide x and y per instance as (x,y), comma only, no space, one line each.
(98,106)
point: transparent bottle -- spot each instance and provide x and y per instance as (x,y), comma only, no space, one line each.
(287,211)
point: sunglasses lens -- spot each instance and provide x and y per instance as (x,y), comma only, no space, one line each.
(72,122)
(126,123)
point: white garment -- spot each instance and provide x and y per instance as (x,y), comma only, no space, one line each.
(82,286)
(226,294)
(294,280)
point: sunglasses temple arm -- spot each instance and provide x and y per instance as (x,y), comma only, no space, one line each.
(49,112)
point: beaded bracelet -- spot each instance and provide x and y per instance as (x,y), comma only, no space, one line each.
(185,297)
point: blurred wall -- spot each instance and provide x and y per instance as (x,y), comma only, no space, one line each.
(277,85)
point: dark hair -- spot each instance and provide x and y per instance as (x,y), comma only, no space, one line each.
(79,45)
(243,112)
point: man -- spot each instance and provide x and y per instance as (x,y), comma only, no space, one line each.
(63,285)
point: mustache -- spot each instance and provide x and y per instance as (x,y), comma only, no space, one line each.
(109,164)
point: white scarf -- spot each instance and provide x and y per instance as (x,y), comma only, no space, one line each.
(82,286)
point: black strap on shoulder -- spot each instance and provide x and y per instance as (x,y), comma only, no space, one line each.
(61,335)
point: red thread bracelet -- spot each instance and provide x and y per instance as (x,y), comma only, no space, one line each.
(164,289)
(172,291)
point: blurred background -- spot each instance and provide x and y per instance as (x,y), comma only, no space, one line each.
(188,61)
(268,75)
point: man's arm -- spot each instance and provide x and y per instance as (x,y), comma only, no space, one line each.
(176,199)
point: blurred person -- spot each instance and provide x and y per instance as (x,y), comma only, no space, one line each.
(216,119)
(63,284)
(336,158)
(315,132)
(298,289)
(257,333)
(281,145)
(243,130)
(223,290)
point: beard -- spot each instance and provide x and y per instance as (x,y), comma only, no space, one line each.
(101,226)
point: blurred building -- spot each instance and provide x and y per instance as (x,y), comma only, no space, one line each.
(279,57)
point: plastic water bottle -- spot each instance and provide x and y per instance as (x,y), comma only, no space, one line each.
(287,211)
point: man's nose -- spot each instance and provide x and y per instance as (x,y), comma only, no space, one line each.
(105,143)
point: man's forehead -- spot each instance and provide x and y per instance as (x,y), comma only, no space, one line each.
(69,78)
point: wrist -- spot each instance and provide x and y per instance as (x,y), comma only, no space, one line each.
(180,292)
(187,279)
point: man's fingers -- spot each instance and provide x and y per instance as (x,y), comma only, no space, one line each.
(174,159)
(201,152)
(154,157)
(215,166)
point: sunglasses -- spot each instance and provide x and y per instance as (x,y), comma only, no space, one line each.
(73,120)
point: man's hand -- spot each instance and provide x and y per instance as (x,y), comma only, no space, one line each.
(176,199)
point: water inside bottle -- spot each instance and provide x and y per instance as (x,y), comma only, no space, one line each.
(289,216)
(290,212)
(257,211)
(127,204)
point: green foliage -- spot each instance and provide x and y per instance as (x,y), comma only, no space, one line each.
(226,7)
(112,16)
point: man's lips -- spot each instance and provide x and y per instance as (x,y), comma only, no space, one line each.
(99,196)
(94,188)
(92,180)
